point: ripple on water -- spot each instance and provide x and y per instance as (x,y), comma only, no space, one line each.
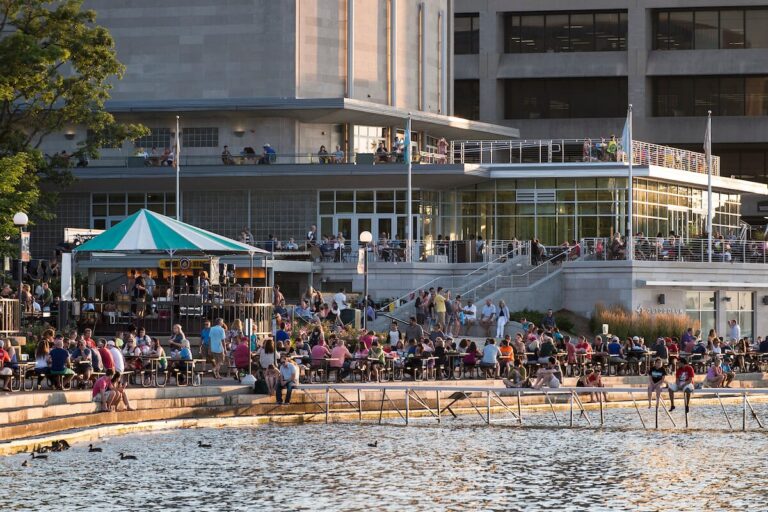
(461,465)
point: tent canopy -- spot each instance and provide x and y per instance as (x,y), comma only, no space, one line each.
(149,232)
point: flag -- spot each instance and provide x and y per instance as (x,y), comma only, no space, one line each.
(625,137)
(361,261)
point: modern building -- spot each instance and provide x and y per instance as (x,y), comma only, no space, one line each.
(303,74)
(562,69)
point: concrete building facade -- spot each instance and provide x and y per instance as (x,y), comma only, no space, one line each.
(562,69)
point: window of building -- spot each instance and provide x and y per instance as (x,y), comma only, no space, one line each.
(723,95)
(466,33)
(565,32)
(200,137)
(700,307)
(740,307)
(565,98)
(707,29)
(109,209)
(157,138)
(466,99)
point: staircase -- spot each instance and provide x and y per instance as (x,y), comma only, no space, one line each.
(458,285)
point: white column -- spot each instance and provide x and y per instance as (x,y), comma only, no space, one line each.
(393,52)
(350,48)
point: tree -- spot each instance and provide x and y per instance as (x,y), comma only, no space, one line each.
(56,68)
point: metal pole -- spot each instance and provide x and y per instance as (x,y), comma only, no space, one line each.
(630,200)
(359,406)
(438,405)
(365,287)
(178,172)
(409,196)
(488,408)
(519,410)
(743,412)
(571,410)
(21,263)
(708,152)
(600,399)
(327,402)
(407,406)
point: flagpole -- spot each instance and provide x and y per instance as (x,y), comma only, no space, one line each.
(630,235)
(708,151)
(178,158)
(409,196)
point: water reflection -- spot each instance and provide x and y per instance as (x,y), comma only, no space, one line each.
(462,465)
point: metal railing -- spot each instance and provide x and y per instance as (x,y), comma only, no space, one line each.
(555,259)
(676,249)
(575,150)
(433,401)
(10,316)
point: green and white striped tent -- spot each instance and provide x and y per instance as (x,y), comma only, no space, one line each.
(149,232)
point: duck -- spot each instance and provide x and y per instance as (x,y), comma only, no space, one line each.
(25,463)
(127,457)
(373,444)
(38,456)
(91,449)
(200,444)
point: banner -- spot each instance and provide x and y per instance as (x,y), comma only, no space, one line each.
(66,276)
(25,255)
(361,261)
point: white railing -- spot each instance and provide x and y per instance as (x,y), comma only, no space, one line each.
(676,249)
(575,150)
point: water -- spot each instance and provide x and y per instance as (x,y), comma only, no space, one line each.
(462,465)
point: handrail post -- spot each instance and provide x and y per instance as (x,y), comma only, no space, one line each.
(327,402)
(571,410)
(437,392)
(407,405)
(359,406)
(744,411)
(519,410)
(488,408)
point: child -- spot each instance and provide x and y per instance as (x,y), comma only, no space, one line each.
(271,374)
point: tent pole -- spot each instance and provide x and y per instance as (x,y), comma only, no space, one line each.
(250,271)
(170,269)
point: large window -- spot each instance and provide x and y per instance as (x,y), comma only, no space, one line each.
(466,33)
(700,307)
(200,137)
(565,32)
(560,98)
(109,209)
(707,29)
(157,138)
(740,307)
(466,99)
(723,95)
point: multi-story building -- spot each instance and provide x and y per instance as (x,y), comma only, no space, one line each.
(563,69)
(303,74)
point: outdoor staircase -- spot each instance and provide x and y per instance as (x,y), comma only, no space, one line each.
(458,285)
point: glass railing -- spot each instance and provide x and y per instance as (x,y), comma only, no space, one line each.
(675,249)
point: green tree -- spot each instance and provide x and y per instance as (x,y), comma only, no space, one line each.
(56,70)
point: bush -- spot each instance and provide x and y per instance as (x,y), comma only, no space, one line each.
(623,323)
(564,324)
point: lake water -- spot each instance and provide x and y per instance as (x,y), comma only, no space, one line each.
(461,465)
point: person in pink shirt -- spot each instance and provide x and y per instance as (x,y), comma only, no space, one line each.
(340,359)
(242,357)
(104,393)
(368,338)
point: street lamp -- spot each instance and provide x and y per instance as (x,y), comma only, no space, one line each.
(365,238)
(21,220)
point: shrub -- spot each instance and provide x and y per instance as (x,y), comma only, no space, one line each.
(623,323)
(564,324)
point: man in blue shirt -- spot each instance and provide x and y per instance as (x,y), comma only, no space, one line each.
(216,337)
(58,360)
(205,339)
(282,335)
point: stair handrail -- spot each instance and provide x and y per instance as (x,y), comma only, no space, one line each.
(522,249)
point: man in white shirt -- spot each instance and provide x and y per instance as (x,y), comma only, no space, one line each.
(490,360)
(289,379)
(488,316)
(117,356)
(735,330)
(341,299)
(312,235)
(338,155)
(470,315)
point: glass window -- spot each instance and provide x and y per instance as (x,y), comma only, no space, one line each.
(674,96)
(732,29)
(680,30)
(705,33)
(512,33)
(557,30)
(466,30)
(582,32)
(705,96)
(532,34)
(661,27)
(565,98)
(200,137)
(731,96)
(756,91)
(157,138)
(466,99)
(756,35)
(607,31)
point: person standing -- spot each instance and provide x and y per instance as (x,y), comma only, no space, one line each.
(216,337)
(502,319)
(439,303)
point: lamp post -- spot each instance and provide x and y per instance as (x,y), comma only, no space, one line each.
(365,238)
(21,220)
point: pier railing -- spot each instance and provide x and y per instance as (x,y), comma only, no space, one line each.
(507,403)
